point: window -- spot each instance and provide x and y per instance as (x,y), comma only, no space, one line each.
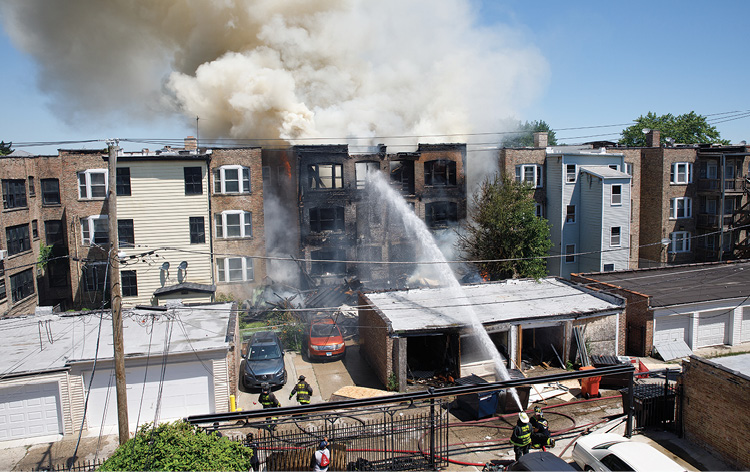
(679,241)
(361,169)
(122,183)
(530,173)
(681,173)
(17,238)
(34,229)
(125,233)
(402,176)
(539,207)
(614,167)
(327,219)
(609,267)
(629,170)
(616,194)
(570,173)
(197,230)
(129,283)
(325,176)
(92,184)
(612,462)
(14,193)
(193,180)
(3,294)
(50,192)
(32,191)
(54,235)
(232,179)
(234,224)
(570,214)
(21,285)
(680,207)
(95,277)
(57,270)
(614,236)
(234,269)
(94,230)
(570,253)
(440,173)
(440,214)
(328,262)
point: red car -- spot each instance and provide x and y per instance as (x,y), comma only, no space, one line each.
(324,340)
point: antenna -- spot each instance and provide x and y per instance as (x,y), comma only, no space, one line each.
(197,136)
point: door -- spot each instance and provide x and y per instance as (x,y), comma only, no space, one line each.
(745,327)
(713,328)
(30,410)
(672,328)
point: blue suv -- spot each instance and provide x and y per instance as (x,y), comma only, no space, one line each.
(264,361)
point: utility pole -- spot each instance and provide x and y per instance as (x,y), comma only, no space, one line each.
(116,296)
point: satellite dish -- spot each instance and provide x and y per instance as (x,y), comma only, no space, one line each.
(646,130)
(183,265)
(165,266)
(666,241)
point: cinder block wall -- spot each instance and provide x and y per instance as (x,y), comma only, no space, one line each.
(375,343)
(716,410)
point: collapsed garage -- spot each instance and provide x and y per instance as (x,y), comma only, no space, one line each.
(417,333)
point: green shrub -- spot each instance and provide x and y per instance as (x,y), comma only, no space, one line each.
(289,328)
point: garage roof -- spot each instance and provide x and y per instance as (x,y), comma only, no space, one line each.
(510,301)
(52,342)
(682,284)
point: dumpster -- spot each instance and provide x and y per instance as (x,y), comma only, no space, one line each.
(590,385)
(476,405)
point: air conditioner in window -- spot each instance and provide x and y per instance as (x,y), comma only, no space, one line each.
(3,253)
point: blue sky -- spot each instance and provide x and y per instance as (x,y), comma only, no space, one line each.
(610,62)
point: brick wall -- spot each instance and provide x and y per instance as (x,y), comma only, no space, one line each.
(375,343)
(716,410)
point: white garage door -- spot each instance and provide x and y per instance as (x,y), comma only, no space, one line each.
(29,411)
(713,328)
(187,390)
(745,328)
(672,328)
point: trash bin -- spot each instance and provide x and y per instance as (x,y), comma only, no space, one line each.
(590,385)
(477,405)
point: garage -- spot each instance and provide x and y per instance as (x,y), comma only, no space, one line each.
(186,390)
(745,327)
(672,328)
(713,328)
(30,410)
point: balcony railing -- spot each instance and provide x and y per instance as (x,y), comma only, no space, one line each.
(738,184)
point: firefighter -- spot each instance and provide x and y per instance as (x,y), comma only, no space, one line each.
(540,437)
(268,399)
(303,391)
(521,437)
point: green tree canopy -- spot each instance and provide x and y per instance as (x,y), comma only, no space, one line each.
(689,128)
(5,148)
(178,446)
(503,225)
(524,136)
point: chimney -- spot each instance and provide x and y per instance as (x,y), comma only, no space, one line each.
(540,139)
(191,144)
(653,138)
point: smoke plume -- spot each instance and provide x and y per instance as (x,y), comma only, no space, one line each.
(288,69)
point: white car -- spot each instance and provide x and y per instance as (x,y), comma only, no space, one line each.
(612,452)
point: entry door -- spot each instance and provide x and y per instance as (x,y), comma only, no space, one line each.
(30,410)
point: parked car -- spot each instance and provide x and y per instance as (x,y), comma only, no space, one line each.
(324,340)
(611,452)
(264,361)
(540,461)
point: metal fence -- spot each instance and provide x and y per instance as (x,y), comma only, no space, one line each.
(82,466)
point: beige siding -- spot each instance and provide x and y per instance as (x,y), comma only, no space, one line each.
(161,213)
(77,401)
(221,385)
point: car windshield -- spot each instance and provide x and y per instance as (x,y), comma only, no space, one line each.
(324,331)
(268,351)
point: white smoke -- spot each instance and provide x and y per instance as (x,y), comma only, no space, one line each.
(282,68)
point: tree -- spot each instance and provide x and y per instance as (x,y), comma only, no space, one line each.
(524,136)
(689,128)
(503,225)
(5,148)
(178,446)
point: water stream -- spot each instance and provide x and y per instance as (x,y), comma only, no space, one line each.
(441,271)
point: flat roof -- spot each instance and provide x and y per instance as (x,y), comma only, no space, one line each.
(683,284)
(739,364)
(51,342)
(605,172)
(509,301)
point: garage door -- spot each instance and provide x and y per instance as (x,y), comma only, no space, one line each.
(187,390)
(672,328)
(713,328)
(29,411)
(745,327)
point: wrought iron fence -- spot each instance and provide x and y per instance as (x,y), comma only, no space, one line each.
(81,466)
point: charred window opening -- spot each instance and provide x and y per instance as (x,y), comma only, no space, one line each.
(328,262)
(325,176)
(440,214)
(361,169)
(327,219)
(440,173)
(402,176)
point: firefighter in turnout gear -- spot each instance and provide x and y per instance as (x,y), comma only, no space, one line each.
(303,391)
(521,437)
(540,437)
(268,399)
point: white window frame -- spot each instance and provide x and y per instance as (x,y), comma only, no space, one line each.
(224,273)
(243,184)
(245,220)
(86,184)
(683,237)
(571,178)
(537,177)
(88,227)
(615,201)
(575,214)
(674,207)
(615,241)
(687,171)
(570,254)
